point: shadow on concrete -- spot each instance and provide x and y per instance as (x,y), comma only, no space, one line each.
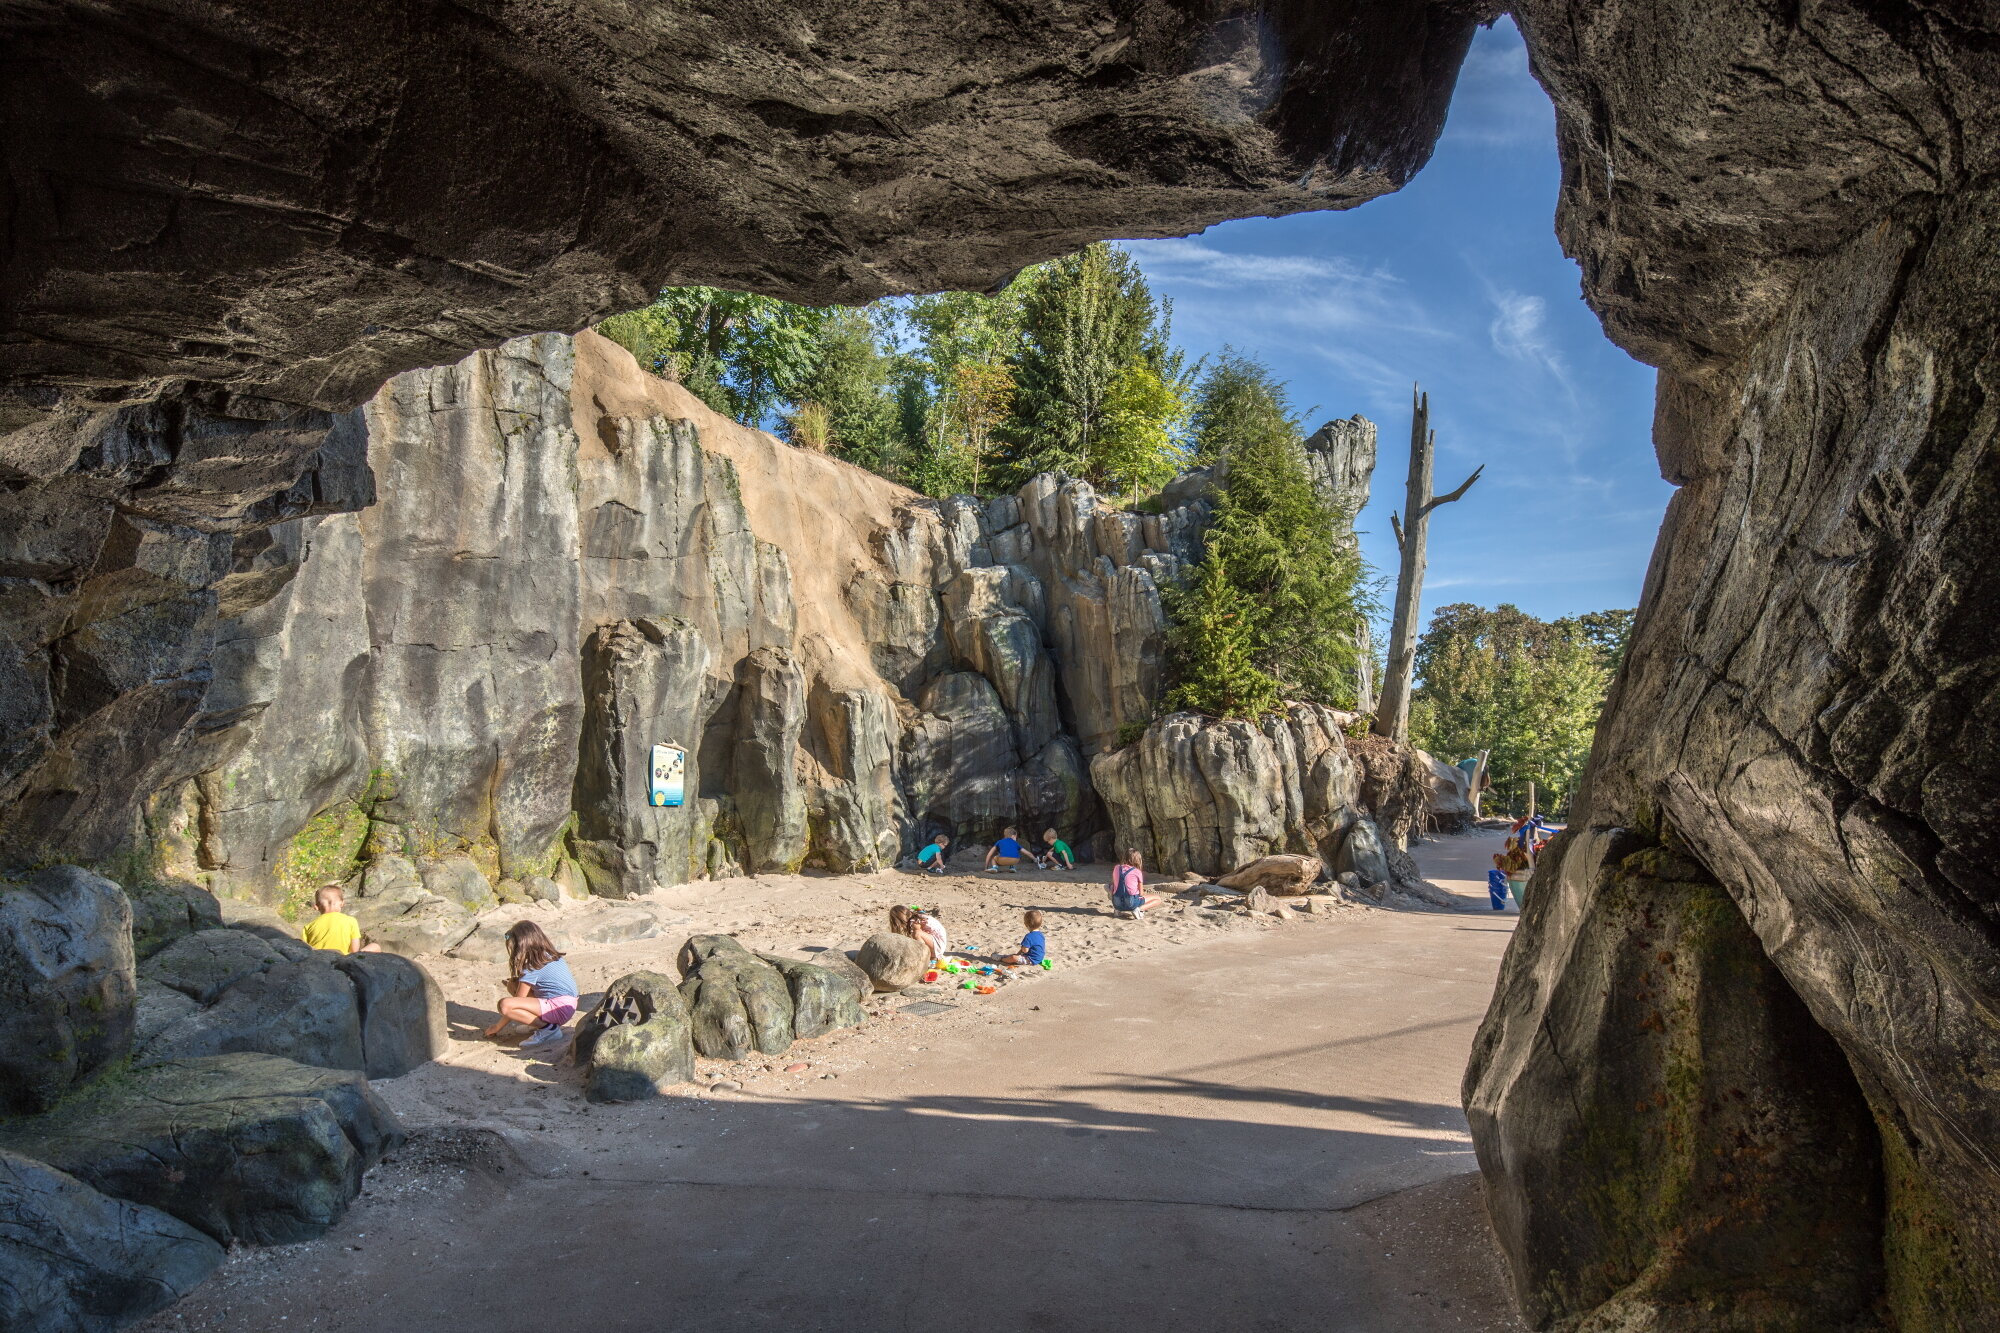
(1153,1201)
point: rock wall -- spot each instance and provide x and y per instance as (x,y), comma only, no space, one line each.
(571,560)
(1739,1072)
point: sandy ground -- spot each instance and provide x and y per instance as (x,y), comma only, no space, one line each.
(1201,1120)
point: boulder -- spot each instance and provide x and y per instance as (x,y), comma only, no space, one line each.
(1259,901)
(636,1041)
(430,925)
(389,875)
(457,879)
(203,965)
(842,963)
(67,984)
(242,1147)
(402,1013)
(158,1006)
(165,910)
(1210,795)
(74,1260)
(892,961)
(303,1011)
(614,925)
(541,889)
(1285,875)
(737,1002)
(254,917)
(1364,854)
(822,999)
(511,893)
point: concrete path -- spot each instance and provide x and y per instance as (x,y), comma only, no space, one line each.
(1257,1134)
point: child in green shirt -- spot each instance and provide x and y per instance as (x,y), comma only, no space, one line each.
(1055,852)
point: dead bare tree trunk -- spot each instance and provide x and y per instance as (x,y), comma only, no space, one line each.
(1392,714)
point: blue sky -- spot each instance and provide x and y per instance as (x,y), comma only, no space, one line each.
(1456,282)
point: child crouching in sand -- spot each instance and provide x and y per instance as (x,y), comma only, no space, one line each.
(542,991)
(1034,945)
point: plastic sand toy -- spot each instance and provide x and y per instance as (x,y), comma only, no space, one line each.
(985,990)
(1048,965)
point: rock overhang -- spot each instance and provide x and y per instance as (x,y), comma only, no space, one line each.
(300,201)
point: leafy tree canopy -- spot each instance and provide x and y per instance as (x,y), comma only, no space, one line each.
(1528,690)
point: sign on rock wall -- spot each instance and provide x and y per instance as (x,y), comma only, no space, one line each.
(669,775)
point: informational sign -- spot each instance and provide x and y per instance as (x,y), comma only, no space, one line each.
(669,775)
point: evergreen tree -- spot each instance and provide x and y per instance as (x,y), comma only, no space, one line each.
(1081,407)
(1296,587)
(846,405)
(1213,650)
(1239,401)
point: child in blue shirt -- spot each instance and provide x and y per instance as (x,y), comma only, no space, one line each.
(542,993)
(932,856)
(1496,884)
(1034,945)
(1006,853)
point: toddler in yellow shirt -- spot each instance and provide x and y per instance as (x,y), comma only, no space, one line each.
(332,928)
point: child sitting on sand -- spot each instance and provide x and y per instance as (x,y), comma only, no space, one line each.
(333,928)
(1055,852)
(542,992)
(1034,944)
(1128,885)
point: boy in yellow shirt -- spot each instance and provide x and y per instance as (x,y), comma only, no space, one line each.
(332,928)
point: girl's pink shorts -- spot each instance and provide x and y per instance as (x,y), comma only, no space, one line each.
(557,1009)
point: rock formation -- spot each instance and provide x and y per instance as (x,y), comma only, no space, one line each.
(572,561)
(1738,1072)
(636,1041)
(228,226)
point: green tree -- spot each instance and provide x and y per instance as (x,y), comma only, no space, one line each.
(846,405)
(1607,631)
(1239,401)
(1090,336)
(743,355)
(1528,690)
(1296,585)
(1212,652)
(1139,449)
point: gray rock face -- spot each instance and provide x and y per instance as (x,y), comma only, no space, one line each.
(636,1041)
(823,999)
(892,961)
(736,1001)
(1804,719)
(1209,796)
(241,1147)
(402,1013)
(203,965)
(1363,856)
(1168,128)
(841,691)
(67,982)
(305,1011)
(73,1260)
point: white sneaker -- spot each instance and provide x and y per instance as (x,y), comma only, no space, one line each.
(547,1036)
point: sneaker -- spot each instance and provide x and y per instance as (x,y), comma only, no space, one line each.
(546,1036)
